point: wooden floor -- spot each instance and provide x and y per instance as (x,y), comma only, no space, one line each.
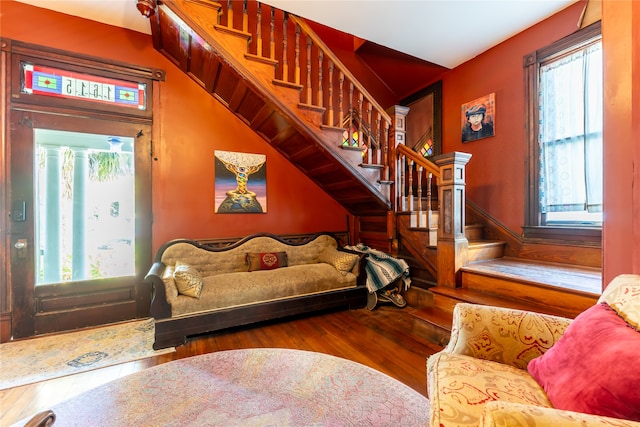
(380,339)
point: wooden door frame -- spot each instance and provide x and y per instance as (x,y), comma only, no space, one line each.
(99,302)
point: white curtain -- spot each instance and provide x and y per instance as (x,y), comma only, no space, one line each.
(571,132)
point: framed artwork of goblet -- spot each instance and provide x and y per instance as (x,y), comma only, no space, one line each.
(240,182)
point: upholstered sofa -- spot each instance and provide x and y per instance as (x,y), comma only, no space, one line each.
(201,287)
(505,367)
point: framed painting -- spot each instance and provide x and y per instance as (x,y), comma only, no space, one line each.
(478,118)
(240,182)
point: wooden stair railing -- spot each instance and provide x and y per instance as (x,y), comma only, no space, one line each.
(303,61)
(410,165)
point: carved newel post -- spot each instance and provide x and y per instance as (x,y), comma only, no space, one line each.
(452,243)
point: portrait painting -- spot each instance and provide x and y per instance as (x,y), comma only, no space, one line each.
(240,182)
(478,118)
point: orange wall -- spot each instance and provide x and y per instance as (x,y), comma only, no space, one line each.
(496,171)
(189,126)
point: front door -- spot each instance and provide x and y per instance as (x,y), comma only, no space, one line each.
(79,220)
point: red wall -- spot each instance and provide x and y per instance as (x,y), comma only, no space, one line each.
(188,126)
(496,171)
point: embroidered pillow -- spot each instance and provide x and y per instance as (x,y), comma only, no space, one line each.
(188,280)
(593,368)
(266,260)
(342,261)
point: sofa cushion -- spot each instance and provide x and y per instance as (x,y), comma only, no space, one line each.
(593,368)
(188,280)
(508,414)
(265,260)
(224,291)
(460,386)
(342,261)
(623,295)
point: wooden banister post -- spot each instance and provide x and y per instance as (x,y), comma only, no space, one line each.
(397,135)
(452,243)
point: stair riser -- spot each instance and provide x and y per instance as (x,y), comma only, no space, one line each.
(445,302)
(486,253)
(418,298)
(566,302)
(431,332)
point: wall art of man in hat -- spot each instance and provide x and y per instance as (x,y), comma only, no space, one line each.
(476,126)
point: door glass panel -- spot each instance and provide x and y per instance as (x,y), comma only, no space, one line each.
(85,209)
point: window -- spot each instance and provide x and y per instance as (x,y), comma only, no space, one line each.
(85,206)
(564,107)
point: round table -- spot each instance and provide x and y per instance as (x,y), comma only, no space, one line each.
(250,387)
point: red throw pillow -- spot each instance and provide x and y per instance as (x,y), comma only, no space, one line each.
(266,260)
(594,367)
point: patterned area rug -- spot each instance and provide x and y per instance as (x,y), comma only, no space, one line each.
(43,358)
(254,387)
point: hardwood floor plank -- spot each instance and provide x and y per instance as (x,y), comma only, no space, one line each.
(381,339)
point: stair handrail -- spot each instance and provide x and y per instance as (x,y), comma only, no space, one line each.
(336,61)
(431,167)
(277,40)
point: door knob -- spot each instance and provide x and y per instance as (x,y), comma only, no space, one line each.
(21,246)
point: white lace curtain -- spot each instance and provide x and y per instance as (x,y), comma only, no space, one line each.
(571,132)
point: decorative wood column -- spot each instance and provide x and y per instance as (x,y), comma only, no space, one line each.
(452,243)
(397,136)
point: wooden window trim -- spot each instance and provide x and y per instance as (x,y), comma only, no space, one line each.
(533,217)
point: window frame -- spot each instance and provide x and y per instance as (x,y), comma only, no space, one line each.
(531,65)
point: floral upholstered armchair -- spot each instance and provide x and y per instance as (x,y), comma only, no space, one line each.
(505,367)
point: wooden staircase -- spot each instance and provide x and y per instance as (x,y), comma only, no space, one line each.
(212,44)
(300,100)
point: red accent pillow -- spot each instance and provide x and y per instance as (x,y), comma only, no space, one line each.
(266,260)
(594,367)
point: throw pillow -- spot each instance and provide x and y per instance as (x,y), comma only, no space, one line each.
(188,280)
(593,368)
(342,261)
(266,260)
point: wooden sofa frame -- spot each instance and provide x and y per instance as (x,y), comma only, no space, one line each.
(171,332)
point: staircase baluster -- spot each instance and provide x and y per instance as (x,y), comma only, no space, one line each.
(351,112)
(259,31)
(410,195)
(297,63)
(429,178)
(401,179)
(229,14)
(385,152)
(245,17)
(372,143)
(378,142)
(272,39)
(360,128)
(420,172)
(340,99)
(320,99)
(309,89)
(330,78)
(285,57)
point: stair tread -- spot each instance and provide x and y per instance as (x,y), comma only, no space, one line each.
(477,243)
(478,297)
(570,277)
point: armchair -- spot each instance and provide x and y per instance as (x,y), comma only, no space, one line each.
(485,377)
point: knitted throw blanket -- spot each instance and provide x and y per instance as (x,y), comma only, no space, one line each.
(382,269)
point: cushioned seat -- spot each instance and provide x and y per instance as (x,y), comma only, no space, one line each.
(505,367)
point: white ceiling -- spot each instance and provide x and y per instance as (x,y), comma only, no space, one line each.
(443,32)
